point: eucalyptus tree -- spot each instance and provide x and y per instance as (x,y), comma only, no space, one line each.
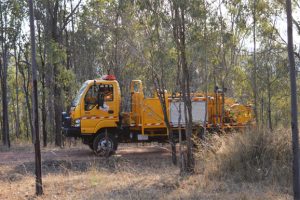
(35,110)
(5,29)
(17,16)
(294,108)
(25,72)
(10,29)
(158,57)
(179,23)
(53,18)
(108,40)
(272,74)
(230,30)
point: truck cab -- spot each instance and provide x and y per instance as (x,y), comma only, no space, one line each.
(94,110)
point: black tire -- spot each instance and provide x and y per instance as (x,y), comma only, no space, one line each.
(105,144)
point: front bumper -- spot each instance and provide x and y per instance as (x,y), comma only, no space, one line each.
(67,129)
(71,131)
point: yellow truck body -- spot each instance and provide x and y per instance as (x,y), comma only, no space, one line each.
(95,114)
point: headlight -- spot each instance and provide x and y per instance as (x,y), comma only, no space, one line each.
(77,123)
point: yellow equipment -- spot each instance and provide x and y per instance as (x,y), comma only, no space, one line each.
(95,115)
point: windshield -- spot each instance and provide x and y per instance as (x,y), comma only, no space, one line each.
(79,94)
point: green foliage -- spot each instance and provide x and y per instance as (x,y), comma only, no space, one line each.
(66,78)
(135,40)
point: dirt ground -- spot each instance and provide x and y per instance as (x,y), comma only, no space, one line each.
(134,172)
(80,152)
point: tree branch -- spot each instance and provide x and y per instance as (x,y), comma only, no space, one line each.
(67,19)
(297,25)
(297,55)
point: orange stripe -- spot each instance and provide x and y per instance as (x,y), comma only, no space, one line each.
(97,117)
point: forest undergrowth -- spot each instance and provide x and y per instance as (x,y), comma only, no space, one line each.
(251,156)
(249,165)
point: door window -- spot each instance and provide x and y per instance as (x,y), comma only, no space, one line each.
(107,91)
(95,92)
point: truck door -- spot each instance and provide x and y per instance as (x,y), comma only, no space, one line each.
(93,113)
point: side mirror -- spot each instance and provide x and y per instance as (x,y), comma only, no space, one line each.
(100,100)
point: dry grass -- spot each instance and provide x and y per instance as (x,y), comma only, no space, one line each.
(252,158)
(18,146)
(256,156)
(235,166)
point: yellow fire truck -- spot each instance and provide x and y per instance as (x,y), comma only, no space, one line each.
(95,115)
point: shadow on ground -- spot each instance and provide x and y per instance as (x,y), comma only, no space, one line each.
(137,190)
(65,166)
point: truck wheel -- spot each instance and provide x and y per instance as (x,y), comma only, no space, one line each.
(105,144)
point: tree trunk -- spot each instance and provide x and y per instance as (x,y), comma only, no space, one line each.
(35,110)
(57,89)
(6,140)
(27,121)
(294,108)
(3,75)
(160,87)
(186,92)
(26,91)
(43,81)
(254,71)
(17,57)
(162,98)
(49,93)
(44,114)
(178,14)
(262,125)
(57,110)
(269,101)
(55,92)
